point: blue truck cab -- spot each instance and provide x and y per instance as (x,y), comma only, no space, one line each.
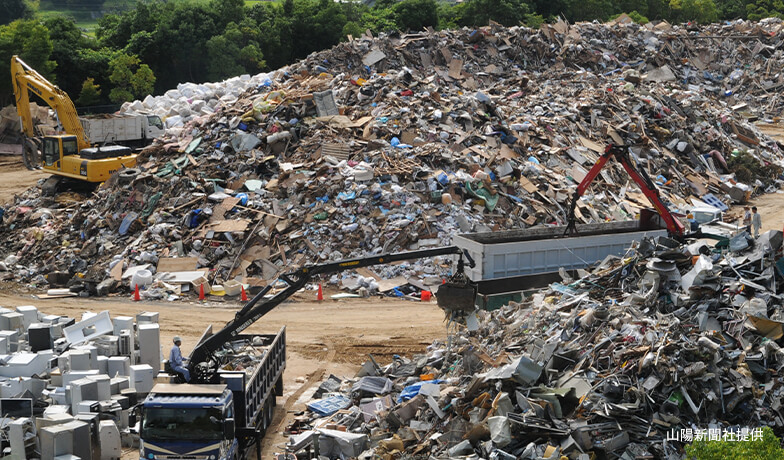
(219,419)
(188,421)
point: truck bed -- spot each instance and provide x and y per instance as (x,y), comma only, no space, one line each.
(541,250)
(255,387)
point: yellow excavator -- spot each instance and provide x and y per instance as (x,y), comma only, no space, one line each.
(69,156)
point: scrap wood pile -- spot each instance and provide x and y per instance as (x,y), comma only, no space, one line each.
(617,364)
(400,142)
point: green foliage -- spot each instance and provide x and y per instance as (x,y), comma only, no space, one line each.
(90,94)
(379,20)
(415,15)
(352,28)
(448,15)
(767,448)
(12,10)
(701,11)
(131,79)
(586,10)
(67,43)
(759,9)
(235,52)
(481,12)
(634,15)
(533,20)
(747,168)
(731,9)
(29,39)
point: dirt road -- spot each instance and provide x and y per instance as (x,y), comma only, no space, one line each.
(15,178)
(322,338)
(771,208)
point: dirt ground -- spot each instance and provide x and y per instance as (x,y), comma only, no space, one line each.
(322,337)
(15,178)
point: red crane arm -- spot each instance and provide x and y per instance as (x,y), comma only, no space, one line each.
(674,226)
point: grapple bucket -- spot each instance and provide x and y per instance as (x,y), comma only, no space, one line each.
(457,297)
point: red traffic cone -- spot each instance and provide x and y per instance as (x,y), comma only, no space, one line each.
(320,295)
(425,296)
(136,296)
(243,294)
(201,291)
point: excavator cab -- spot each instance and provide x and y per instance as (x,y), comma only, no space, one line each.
(74,168)
(54,148)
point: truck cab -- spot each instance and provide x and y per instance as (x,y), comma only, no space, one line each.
(188,421)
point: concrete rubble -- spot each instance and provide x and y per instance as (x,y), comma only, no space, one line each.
(401,141)
(68,386)
(615,364)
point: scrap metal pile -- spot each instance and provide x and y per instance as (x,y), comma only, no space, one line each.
(617,363)
(400,142)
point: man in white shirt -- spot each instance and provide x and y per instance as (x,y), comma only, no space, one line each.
(756,221)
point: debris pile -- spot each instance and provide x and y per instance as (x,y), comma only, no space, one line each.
(64,381)
(400,142)
(669,339)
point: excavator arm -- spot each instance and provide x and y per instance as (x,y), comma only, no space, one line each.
(25,79)
(674,226)
(259,306)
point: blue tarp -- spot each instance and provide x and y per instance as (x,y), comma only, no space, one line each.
(328,406)
(413,390)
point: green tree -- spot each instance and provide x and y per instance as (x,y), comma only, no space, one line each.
(759,9)
(768,447)
(130,78)
(534,20)
(12,10)
(638,6)
(227,11)
(731,9)
(701,11)
(91,93)
(29,39)
(67,44)
(416,14)
(236,51)
(353,28)
(587,10)
(481,12)
(379,20)
(316,25)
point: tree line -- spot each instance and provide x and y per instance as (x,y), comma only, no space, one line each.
(158,44)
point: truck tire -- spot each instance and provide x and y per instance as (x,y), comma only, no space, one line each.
(127,176)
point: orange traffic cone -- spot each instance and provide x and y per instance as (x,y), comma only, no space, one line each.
(425,296)
(243,294)
(136,296)
(320,295)
(201,291)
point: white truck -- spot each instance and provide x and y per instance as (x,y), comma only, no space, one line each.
(134,131)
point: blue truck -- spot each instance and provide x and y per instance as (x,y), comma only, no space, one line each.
(217,421)
(223,414)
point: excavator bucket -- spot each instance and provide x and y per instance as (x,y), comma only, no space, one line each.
(457,297)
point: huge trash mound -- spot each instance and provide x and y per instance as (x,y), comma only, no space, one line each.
(402,141)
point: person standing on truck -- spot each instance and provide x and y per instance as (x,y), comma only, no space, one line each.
(175,359)
(756,221)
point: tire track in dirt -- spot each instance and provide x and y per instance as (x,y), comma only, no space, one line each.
(312,379)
